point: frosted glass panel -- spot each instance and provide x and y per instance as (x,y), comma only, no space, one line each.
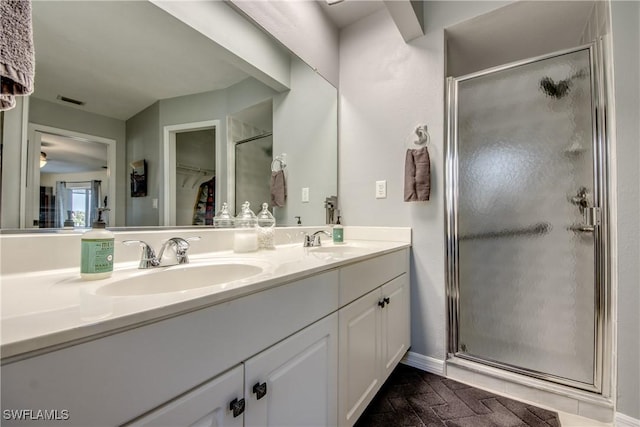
(526,278)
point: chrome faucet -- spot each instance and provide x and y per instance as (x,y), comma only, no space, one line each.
(149,258)
(313,240)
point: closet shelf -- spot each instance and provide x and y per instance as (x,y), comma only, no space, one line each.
(193,170)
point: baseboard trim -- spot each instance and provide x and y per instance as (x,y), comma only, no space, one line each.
(623,420)
(425,363)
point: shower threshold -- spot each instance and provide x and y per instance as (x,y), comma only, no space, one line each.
(525,387)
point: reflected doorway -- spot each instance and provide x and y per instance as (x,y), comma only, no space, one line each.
(68,177)
(196,177)
(192,158)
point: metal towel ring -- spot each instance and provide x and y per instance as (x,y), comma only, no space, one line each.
(279,160)
(423,135)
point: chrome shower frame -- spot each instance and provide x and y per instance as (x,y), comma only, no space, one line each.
(602,373)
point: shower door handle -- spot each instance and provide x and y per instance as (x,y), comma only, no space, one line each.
(582,228)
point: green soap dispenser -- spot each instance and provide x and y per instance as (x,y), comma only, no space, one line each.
(338,232)
(97,251)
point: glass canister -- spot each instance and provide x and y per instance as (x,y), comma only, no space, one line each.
(266,228)
(223,218)
(245,238)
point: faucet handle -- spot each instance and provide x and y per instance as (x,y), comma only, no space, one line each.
(148,258)
(311,240)
(181,247)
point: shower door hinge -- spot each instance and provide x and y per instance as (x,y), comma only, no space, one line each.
(592,216)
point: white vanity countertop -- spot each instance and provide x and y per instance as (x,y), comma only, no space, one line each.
(46,310)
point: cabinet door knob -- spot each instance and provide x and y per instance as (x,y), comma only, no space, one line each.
(237,407)
(260,390)
(386,300)
(381,303)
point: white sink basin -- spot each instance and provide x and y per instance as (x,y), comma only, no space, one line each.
(338,251)
(179,278)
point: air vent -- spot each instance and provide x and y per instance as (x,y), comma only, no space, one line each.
(70,100)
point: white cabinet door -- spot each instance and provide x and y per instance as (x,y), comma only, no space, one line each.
(209,405)
(359,357)
(294,383)
(396,323)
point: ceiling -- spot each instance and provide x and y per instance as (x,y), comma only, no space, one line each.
(71,155)
(349,11)
(119,57)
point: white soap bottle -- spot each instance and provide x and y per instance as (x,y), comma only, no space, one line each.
(97,251)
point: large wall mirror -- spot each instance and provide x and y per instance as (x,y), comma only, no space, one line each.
(162,115)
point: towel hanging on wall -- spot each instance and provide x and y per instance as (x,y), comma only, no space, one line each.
(16,43)
(278,188)
(417,175)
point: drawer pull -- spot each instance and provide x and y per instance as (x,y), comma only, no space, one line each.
(386,300)
(381,303)
(260,390)
(237,407)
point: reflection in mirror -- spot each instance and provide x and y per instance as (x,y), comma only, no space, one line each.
(138,91)
(196,176)
(73,178)
(69,179)
(253,162)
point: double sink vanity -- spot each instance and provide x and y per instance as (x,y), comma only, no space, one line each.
(288,337)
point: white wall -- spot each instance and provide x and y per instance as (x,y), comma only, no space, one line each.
(626,46)
(143,143)
(387,88)
(303,27)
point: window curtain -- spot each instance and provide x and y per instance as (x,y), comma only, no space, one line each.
(63,204)
(94,201)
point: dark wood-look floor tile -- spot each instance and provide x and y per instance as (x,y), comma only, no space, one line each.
(411,397)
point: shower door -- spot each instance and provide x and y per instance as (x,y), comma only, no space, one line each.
(525,224)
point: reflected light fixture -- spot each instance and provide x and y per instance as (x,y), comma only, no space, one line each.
(331,2)
(43,158)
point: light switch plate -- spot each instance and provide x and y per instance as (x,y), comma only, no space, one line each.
(305,195)
(381,189)
(154,202)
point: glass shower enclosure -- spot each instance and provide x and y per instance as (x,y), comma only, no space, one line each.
(526,224)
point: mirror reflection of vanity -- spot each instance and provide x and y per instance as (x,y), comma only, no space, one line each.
(190,94)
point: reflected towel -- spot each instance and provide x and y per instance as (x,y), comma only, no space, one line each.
(278,188)
(16,44)
(417,175)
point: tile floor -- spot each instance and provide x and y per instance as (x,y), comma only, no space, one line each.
(412,397)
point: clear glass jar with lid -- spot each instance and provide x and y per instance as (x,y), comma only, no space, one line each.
(266,228)
(223,218)
(246,234)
